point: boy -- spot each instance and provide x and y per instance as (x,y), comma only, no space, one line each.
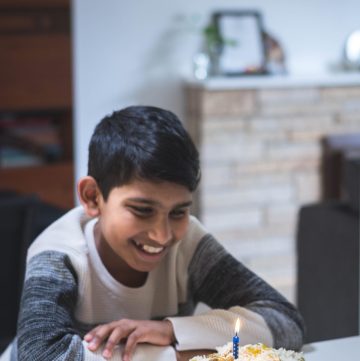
(130,265)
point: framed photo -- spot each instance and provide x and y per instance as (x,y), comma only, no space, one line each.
(242,46)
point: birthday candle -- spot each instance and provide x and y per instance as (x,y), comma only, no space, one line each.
(236,340)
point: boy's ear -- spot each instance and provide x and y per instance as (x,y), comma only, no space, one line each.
(89,195)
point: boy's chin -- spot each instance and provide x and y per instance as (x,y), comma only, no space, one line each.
(145,268)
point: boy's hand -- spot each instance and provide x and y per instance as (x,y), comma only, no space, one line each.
(134,331)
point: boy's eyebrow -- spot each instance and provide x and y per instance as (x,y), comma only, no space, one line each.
(155,203)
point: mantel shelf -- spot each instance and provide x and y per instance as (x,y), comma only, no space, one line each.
(276,81)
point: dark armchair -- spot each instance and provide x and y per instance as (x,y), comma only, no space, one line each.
(22,218)
(328,279)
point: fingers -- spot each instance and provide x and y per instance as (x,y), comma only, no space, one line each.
(133,339)
(154,332)
(94,337)
(113,340)
(98,335)
(113,332)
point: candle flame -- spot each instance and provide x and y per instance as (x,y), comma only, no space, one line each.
(237,326)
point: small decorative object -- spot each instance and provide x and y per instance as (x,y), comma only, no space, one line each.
(214,43)
(352,51)
(201,65)
(236,340)
(275,55)
(237,43)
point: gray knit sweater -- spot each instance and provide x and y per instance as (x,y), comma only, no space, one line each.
(67,291)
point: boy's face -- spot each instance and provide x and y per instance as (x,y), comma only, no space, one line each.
(139,223)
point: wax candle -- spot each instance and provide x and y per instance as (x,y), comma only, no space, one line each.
(236,340)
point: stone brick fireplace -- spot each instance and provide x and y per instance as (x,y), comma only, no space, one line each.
(260,145)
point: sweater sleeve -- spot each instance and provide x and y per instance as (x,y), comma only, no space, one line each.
(47,329)
(231,291)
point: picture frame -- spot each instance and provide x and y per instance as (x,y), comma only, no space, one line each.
(242,47)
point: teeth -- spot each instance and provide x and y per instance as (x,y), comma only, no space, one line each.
(149,249)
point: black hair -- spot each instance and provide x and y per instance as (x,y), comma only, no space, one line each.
(142,142)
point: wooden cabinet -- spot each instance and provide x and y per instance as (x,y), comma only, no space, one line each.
(35,82)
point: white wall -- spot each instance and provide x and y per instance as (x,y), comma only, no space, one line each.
(137,51)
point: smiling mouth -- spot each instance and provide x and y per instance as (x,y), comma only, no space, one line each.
(148,249)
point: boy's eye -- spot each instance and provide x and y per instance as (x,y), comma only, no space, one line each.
(141,211)
(178,213)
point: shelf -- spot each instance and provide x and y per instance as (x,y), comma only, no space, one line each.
(35,58)
(53,183)
(35,74)
(35,3)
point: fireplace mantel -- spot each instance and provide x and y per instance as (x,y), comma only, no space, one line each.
(260,144)
(277,81)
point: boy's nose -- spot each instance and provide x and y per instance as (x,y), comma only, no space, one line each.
(161,232)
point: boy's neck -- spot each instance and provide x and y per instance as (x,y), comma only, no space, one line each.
(131,278)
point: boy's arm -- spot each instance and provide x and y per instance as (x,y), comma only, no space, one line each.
(46,325)
(47,329)
(231,290)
